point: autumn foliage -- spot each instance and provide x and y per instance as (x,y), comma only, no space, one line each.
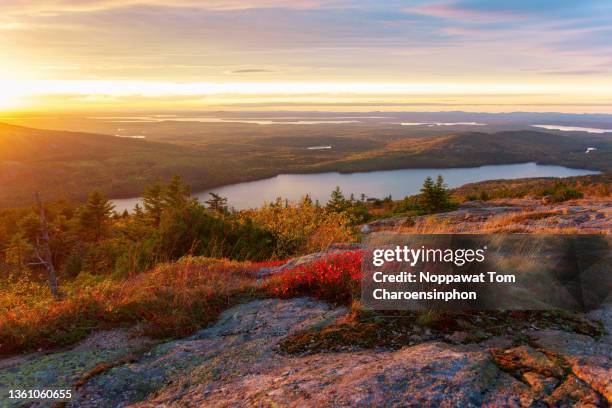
(335,278)
(300,228)
(170,300)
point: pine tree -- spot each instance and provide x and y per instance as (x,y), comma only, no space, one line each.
(306,201)
(138,213)
(95,214)
(442,193)
(153,202)
(177,193)
(435,196)
(217,203)
(428,194)
(337,202)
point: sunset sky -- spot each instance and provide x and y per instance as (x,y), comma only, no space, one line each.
(475,55)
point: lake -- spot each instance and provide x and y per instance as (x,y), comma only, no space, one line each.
(398,183)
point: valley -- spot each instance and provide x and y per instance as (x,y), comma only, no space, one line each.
(67,164)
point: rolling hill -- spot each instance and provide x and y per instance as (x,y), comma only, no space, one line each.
(70,164)
(478,149)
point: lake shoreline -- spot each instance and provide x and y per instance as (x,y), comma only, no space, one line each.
(285,190)
(202,187)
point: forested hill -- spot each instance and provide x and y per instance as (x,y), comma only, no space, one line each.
(70,164)
(479,148)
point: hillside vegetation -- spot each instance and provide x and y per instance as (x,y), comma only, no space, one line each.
(478,149)
(69,164)
(107,270)
(598,185)
(66,164)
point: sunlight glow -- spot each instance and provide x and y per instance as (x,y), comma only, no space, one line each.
(160,88)
(10,93)
(70,93)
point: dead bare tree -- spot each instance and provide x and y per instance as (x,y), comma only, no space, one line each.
(42,249)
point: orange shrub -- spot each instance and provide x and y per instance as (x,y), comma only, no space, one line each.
(171,300)
(301,228)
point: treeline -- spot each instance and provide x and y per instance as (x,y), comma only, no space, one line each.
(94,239)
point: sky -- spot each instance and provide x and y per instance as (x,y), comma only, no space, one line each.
(349,55)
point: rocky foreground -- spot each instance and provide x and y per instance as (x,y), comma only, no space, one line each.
(240,361)
(237,362)
(512,215)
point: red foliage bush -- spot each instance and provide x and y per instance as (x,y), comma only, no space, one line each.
(335,278)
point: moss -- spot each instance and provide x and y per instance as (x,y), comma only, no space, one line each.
(395,329)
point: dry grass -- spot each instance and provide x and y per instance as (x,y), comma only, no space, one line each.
(526,221)
(170,300)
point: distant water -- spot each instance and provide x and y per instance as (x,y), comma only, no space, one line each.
(573,128)
(398,183)
(213,119)
(432,124)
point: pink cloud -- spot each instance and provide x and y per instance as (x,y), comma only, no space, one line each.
(452,12)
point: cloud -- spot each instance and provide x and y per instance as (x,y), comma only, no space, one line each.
(480,10)
(454,11)
(57,7)
(576,72)
(305,40)
(251,71)
(11,26)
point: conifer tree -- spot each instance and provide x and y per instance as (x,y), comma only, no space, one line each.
(177,193)
(306,201)
(95,214)
(435,196)
(217,203)
(337,202)
(152,200)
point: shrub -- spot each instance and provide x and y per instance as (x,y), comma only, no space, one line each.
(561,192)
(335,278)
(170,300)
(300,228)
(199,231)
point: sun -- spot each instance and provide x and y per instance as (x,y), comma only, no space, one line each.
(10,95)
(7,103)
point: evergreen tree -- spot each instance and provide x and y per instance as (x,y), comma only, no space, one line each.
(337,202)
(153,202)
(95,215)
(217,203)
(428,194)
(435,196)
(177,193)
(443,193)
(306,201)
